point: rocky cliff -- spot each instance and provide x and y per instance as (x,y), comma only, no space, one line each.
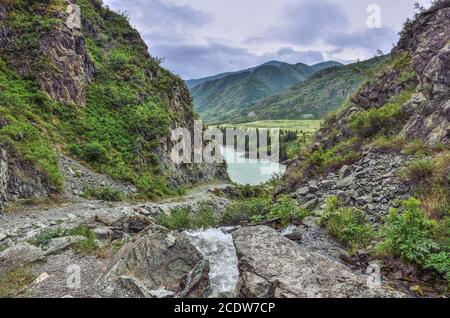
(408,100)
(89,91)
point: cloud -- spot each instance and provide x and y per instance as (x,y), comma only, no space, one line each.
(199,38)
(303,23)
(369,39)
(290,55)
(200,60)
(161,20)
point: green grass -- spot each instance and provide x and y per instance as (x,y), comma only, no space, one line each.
(14,281)
(86,246)
(185,218)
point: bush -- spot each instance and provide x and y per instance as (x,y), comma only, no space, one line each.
(385,120)
(184,218)
(418,172)
(243,211)
(288,210)
(91,152)
(412,236)
(388,143)
(347,225)
(344,152)
(416,147)
(105,194)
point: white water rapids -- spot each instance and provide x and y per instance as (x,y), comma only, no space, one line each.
(218,248)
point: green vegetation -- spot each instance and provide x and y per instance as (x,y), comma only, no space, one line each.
(224,98)
(412,236)
(245,211)
(321,93)
(294,134)
(105,194)
(305,126)
(184,218)
(86,246)
(22,107)
(127,103)
(385,120)
(388,143)
(13,282)
(345,152)
(348,225)
(418,172)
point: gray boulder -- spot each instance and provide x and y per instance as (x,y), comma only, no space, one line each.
(272,266)
(156,260)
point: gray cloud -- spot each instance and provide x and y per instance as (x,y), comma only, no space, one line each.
(305,22)
(160,20)
(370,39)
(195,41)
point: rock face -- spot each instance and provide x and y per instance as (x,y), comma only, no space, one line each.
(19,179)
(273,266)
(428,38)
(56,57)
(157,262)
(370,184)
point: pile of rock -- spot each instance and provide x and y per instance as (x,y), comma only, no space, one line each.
(370,184)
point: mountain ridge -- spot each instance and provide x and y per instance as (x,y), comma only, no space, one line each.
(213,99)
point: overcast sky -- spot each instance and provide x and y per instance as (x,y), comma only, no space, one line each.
(198,38)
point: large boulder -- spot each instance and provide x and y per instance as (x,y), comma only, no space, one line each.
(271,266)
(157,263)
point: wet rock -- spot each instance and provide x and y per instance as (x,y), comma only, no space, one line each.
(148,263)
(273,266)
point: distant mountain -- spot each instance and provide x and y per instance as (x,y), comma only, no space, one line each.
(217,96)
(323,92)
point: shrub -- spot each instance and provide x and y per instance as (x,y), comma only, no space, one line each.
(384,120)
(347,225)
(205,217)
(185,218)
(416,147)
(410,236)
(288,211)
(344,152)
(91,152)
(418,172)
(242,211)
(179,219)
(388,143)
(105,194)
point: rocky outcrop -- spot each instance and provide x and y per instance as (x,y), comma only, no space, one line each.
(157,263)
(428,38)
(19,179)
(78,178)
(273,266)
(371,184)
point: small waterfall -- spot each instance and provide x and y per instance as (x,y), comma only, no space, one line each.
(219,249)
